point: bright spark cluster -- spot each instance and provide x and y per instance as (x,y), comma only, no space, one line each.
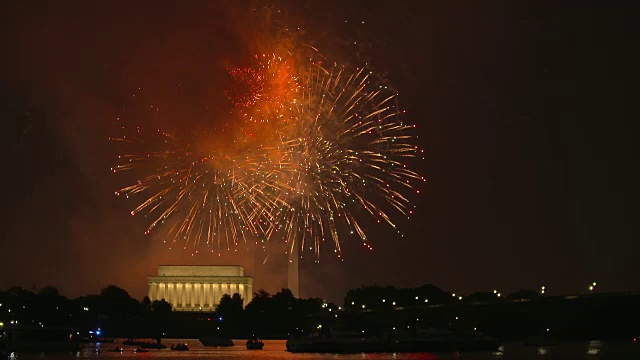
(264,93)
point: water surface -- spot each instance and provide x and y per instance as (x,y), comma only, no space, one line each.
(275,350)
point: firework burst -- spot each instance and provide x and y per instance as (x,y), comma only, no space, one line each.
(343,159)
(203,196)
(331,155)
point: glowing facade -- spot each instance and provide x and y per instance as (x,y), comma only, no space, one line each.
(198,288)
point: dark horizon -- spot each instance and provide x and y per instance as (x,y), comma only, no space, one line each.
(521,110)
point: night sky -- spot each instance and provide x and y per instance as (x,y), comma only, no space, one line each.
(520,110)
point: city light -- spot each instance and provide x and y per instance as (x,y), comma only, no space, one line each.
(426,300)
(383,300)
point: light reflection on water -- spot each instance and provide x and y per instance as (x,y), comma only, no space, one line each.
(275,350)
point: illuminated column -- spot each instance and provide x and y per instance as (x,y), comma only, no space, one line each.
(245,291)
(215,291)
(154,291)
(189,294)
(172,294)
(207,294)
(195,298)
(181,295)
(160,293)
(241,293)
(211,297)
(176,295)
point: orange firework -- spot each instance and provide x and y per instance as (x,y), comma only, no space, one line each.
(265,92)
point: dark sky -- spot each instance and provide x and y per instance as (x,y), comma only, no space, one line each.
(521,110)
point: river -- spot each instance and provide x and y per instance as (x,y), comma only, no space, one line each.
(275,350)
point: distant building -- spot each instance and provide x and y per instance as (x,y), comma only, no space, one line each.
(198,288)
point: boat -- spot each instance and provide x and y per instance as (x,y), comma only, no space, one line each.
(425,341)
(254,344)
(117,349)
(140,350)
(180,347)
(443,340)
(336,342)
(215,341)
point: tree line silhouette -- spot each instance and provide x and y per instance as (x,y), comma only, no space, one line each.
(374,309)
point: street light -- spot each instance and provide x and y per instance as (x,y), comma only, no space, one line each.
(542,290)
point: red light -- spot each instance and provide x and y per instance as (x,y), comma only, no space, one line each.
(208,319)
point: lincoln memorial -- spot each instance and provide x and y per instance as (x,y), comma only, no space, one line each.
(198,288)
